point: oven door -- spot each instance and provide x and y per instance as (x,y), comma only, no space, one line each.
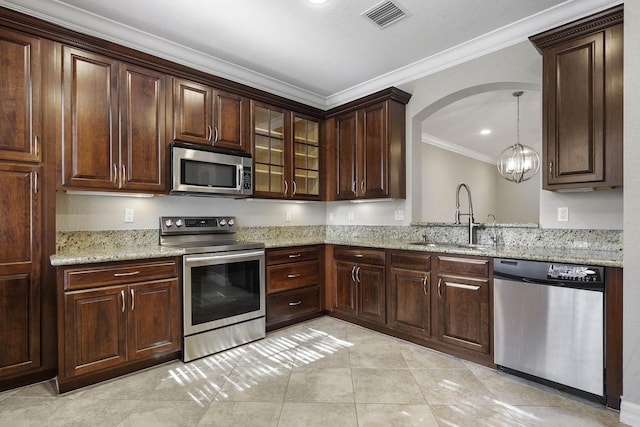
(223,288)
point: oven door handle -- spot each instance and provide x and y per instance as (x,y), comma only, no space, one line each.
(207,258)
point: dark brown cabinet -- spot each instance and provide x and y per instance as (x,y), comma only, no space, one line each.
(409,292)
(20,122)
(20,276)
(368,147)
(114,318)
(207,116)
(114,124)
(359,281)
(582,98)
(286,153)
(293,285)
(464,302)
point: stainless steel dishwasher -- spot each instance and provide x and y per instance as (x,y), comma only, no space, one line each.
(549,322)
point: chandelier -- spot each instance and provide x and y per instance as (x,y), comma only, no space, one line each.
(518,162)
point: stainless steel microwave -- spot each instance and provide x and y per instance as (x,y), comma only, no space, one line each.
(202,170)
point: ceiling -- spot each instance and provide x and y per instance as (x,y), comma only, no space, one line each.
(321,55)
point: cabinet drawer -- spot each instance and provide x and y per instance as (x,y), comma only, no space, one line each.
(418,261)
(90,277)
(300,253)
(294,275)
(292,304)
(463,266)
(359,255)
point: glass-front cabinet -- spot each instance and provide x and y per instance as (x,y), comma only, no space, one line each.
(286,154)
(306,156)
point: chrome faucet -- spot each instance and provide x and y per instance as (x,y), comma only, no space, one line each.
(472,223)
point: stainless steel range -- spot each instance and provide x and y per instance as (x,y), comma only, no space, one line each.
(223,284)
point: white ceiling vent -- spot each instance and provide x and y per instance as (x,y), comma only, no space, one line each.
(385,13)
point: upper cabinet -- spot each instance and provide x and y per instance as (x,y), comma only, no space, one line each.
(204,115)
(286,153)
(20,89)
(582,98)
(366,157)
(114,124)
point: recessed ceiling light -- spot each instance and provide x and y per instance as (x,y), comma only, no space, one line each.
(317,1)
(485,131)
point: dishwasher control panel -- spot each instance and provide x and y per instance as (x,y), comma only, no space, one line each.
(573,273)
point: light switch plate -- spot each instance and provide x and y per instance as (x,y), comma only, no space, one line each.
(129,215)
(563,214)
(399,215)
(350,215)
(287,216)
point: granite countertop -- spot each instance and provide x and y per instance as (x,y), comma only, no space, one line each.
(114,253)
(79,255)
(570,256)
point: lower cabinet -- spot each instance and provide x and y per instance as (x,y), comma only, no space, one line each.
(360,283)
(464,302)
(409,292)
(115,318)
(293,285)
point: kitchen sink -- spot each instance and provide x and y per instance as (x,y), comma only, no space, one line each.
(450,245)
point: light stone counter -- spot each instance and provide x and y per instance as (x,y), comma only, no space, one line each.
(593,247)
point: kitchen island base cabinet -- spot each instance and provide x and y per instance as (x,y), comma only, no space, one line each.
(116,319)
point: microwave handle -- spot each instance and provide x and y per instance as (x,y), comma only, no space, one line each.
(240,178)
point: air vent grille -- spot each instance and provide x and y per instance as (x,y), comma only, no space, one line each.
(385,13)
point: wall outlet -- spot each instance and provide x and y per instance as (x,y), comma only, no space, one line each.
(330,216)
(399,215)
(563,214)
(129,215)
(287,216)
(350,216)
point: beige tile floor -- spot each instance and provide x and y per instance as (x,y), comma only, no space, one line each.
(323,372)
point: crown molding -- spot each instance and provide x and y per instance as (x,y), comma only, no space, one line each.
(458,149)
(96,26)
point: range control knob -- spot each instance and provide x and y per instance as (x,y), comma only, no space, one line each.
(230,222)
(179,223)
(223,222)
(168,223)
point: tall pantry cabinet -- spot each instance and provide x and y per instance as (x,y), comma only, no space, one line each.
(27,329)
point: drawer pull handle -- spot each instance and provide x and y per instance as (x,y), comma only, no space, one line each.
(295,255)
(358,255)
(132,273)
(295,303)
(293,276)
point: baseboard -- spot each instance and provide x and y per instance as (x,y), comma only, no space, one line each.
(630,413)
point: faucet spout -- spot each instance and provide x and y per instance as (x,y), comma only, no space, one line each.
(472,223)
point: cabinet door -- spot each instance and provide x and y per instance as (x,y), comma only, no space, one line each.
(20,254)
(373,171)
(230,115)
(154,318)
(306,157)
(346,152)
(270,152)
(20,101)
(409,306)
(574,84)
(192,121)
(345,287)
(95,328)
(90,140)
(371,293)
(463,312)
(142,135)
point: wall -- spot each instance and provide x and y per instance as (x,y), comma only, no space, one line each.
(99,212)
(630,411)
(508,201)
